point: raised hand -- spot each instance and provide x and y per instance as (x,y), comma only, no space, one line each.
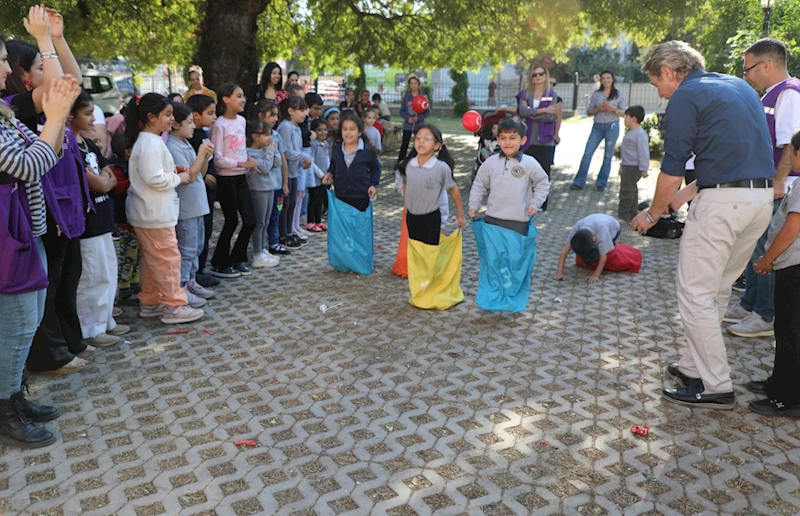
(57,104)
(38,23)
(56,22)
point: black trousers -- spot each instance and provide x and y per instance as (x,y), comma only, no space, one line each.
(316,196)
(544,155)
(289,202)
(58,338)
(424,228)
(233,193)
(784,384)
(211,194)
(404,145)
(359,204)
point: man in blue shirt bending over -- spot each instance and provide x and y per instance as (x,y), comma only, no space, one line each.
(720,119)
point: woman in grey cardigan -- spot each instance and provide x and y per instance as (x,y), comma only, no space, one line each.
(606,105)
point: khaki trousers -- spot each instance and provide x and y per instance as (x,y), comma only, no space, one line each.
(721,232)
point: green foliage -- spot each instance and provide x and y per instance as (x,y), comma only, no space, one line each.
(459,92)
(589,61)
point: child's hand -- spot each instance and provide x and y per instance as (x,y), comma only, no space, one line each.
(473,214)
(645,173)
(460,220)
(761,266)
(306,164)
(532,212)
(184,177)
(285,190)
(210,180)
(326,180)
(559,276)
(179,169)
(206,149)
(270,142)
(251,163)
(313,136)
(593,279)
(372,191)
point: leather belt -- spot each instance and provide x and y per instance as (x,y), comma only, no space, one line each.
(747,183)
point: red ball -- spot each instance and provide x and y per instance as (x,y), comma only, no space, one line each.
(472,121)
(420,104)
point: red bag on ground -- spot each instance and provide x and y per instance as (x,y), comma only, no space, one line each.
(623,258)
(401,262)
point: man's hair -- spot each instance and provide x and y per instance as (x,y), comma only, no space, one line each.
(677,55)
(636,112)
(769,48)
(511,125)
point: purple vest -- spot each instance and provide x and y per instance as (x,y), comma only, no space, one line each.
(547,130)
(769,101)
(66,197)
(64,194)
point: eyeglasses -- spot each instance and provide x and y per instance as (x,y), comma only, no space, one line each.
(751,67)
(424,139)
(537,74)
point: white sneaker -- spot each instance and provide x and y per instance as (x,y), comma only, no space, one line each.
(753,326)
(199,290)
(195,301)
(271,261)
(259,261)
(736,314)
(181,314)
(267,254)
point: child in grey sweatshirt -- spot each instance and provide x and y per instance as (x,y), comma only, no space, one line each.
(516,183)
(635,153)
(263,180)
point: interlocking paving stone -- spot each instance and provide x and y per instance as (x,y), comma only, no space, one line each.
(377,407)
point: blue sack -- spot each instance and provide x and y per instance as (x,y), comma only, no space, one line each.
(507,259)
(350,239)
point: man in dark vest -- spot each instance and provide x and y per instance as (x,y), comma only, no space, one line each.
(765,70)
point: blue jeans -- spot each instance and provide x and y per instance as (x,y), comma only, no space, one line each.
(759,289)
(608,132)
(22,314)
(191,235)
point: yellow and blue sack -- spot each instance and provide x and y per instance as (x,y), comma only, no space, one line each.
(507,260)
(434,273)
(350,239)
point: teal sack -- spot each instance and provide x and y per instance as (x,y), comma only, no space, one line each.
(350,239)
(507,259)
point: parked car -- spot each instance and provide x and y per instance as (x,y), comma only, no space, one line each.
(126,89)
(103,89)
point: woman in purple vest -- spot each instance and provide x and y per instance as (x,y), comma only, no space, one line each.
(538,105)
(58,339)
(24,161)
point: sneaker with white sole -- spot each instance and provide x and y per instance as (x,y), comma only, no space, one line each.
(195,301)
(199,290)
(269,260)
(301,237)
(269,255)
(736,314)
(259,261)
(147,311)
(181,314)
(120,329)
(753,326)
(102,341)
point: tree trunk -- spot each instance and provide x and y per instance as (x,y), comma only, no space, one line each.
(228,51)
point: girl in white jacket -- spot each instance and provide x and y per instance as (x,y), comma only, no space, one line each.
(152,209)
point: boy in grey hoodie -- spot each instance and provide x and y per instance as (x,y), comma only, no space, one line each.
(516,183)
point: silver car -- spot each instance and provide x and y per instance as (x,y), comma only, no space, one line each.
(103,89)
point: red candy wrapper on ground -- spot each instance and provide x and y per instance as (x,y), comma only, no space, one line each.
(641,430)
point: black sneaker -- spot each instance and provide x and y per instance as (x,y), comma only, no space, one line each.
(739,286)
(227,272)
(206,280)
(774,408)
(126,297)
(600,188)
(299,241)
(291,243)
(242,268)
(278,250)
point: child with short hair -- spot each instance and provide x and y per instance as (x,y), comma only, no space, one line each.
(516,183)
(591,238)
(383,108)
(321,156)
(635,153)
(190,229)
(152,209)
(233,191)
(264,180)
(204,114)
(267,111)
(783,257)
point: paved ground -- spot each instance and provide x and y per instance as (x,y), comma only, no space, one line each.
(377,407)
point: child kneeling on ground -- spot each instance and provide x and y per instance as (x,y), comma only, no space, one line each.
(591,238)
